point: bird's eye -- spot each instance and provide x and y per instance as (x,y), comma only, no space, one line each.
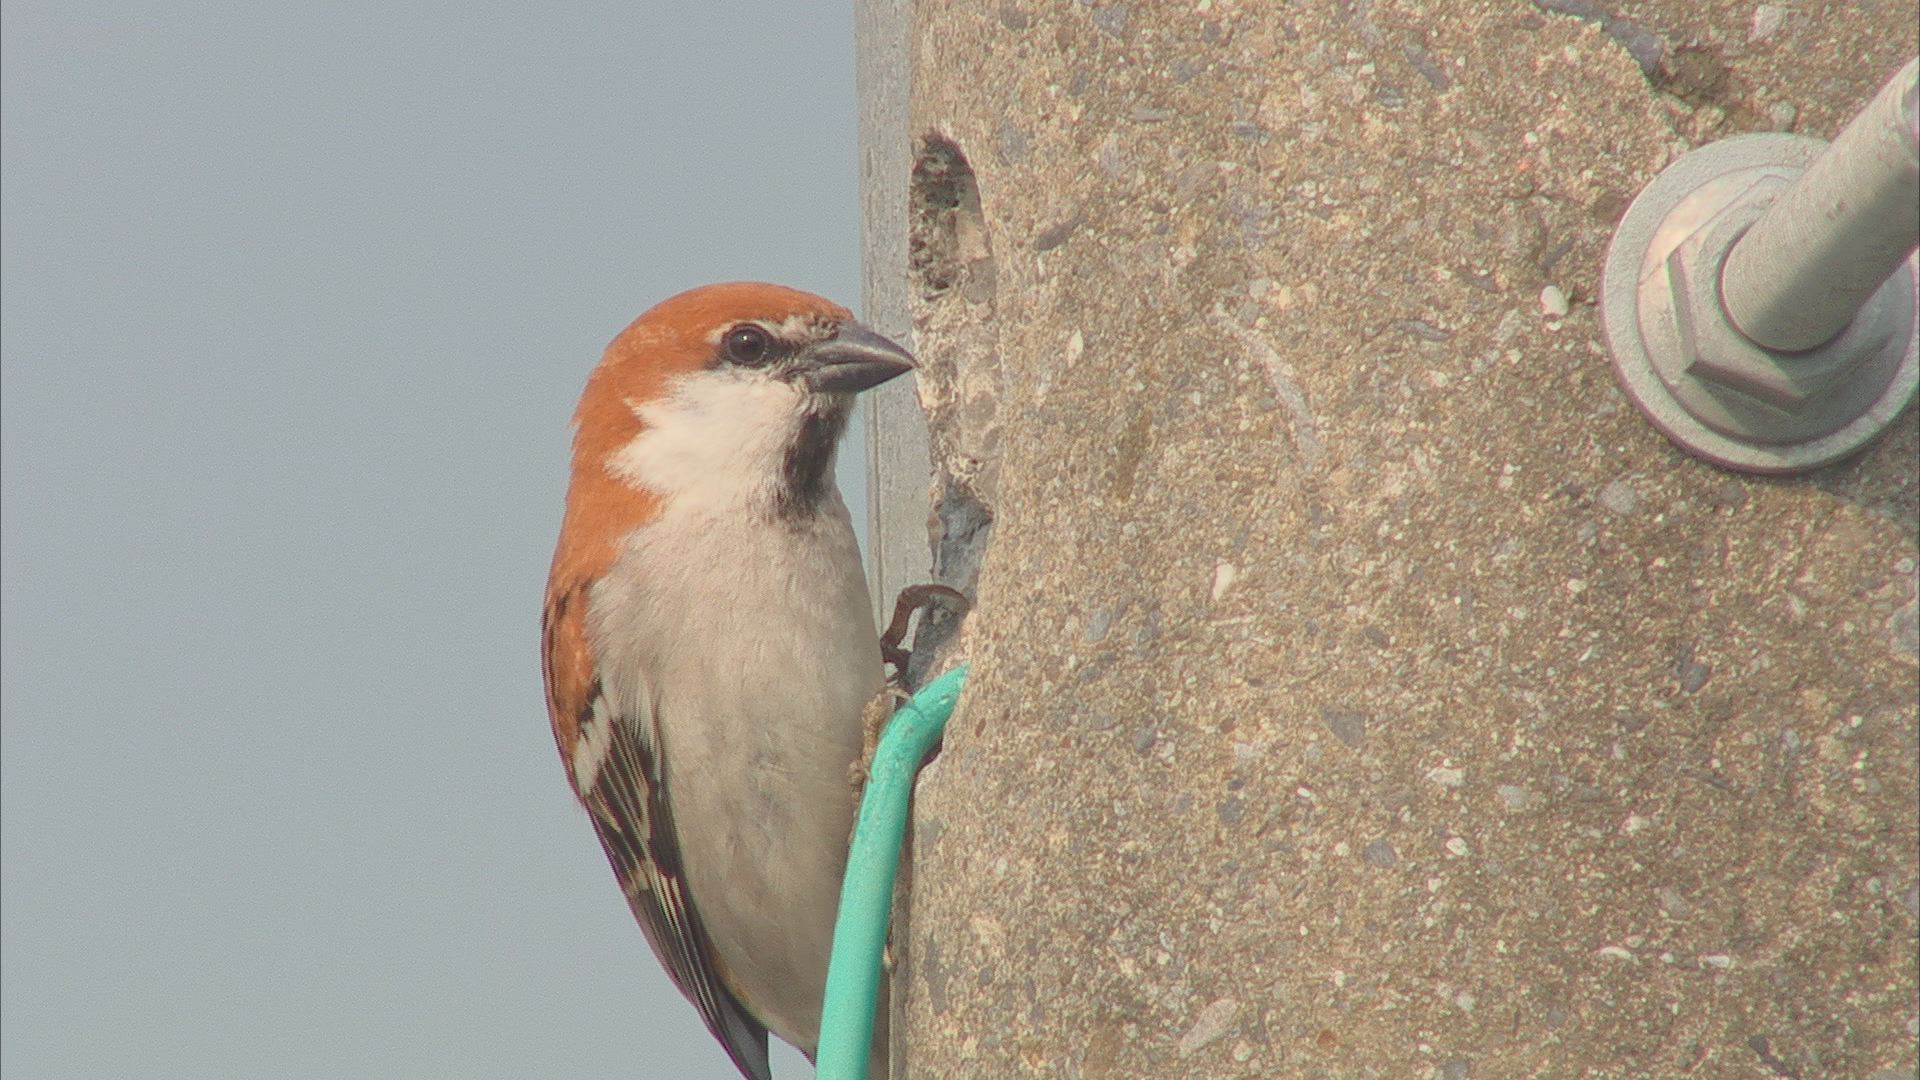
(748,344)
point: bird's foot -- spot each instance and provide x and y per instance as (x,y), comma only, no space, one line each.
(911,599)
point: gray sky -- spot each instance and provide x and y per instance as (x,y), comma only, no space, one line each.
(297,301)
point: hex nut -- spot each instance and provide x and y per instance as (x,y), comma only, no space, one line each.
(1729,405)
(1745,385)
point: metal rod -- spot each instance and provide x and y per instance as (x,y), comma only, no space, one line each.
(1824,247)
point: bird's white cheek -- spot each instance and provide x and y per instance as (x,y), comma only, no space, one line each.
(714,434)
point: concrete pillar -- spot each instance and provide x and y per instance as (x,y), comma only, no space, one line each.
(1360,687)
(899,476)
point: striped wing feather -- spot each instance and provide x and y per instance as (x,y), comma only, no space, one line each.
(634,820)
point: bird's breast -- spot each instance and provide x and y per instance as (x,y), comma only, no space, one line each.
(751,645)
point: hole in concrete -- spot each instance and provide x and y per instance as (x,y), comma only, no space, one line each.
(963,527)
(946,239)
(949,259)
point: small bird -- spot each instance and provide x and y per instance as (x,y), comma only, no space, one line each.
(708,644)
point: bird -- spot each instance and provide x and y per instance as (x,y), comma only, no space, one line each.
(708,645)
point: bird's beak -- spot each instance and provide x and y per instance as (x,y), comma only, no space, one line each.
(854,359)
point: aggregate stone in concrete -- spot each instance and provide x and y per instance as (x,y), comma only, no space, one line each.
(1360,687)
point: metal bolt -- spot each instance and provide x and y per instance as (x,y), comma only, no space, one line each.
(1759,296)
(1825,246)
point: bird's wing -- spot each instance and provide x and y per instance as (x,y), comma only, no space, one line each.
(631,813)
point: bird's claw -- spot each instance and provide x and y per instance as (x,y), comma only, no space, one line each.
(911,599)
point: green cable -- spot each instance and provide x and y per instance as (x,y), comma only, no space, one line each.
(866,895)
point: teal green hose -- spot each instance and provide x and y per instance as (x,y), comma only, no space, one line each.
(866,896)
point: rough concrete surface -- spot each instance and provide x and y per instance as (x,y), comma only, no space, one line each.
(1360,687)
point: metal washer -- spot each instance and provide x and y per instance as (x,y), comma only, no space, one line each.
(1630,255)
